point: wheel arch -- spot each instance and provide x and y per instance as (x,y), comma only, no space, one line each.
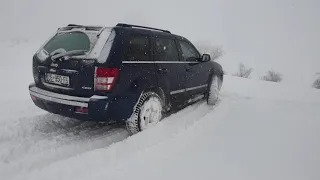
(216,70)
(158,90)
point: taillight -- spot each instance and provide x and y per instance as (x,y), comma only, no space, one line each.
(33,98)
(105,79)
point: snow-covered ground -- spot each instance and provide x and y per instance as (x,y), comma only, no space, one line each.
(259,130)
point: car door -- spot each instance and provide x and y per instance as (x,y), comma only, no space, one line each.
(197,73)
(138,66)
(170,70)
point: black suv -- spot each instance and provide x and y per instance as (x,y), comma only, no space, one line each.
(126,73)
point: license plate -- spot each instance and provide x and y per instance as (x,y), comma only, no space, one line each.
(58,79)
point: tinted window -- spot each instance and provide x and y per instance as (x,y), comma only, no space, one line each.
(138,49)
(166,50)
(189,53)
(68,42)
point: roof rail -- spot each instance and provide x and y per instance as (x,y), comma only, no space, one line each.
(71,26)
(77,25)
(144,27)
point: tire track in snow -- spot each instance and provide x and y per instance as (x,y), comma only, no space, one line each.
(35,142)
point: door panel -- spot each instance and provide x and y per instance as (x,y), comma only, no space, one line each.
(171,73)
(197,76)
(197,73)
(137,70)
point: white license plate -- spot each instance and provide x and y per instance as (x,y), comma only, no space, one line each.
(58,79)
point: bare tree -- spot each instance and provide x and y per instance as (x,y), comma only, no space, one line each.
(316,83)
(214,51)
(272,76)
(243,71)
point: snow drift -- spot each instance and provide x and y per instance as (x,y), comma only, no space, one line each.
(259,130)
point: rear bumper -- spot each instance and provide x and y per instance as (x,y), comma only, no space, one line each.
(100,108)
(59,98)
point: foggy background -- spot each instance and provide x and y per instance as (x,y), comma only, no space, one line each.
(283,35)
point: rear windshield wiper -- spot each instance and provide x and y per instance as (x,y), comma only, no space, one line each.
(69,53)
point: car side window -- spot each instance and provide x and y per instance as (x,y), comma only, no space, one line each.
(166,50)
(189,53)
(138,48)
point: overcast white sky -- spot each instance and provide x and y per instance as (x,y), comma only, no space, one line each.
(279,34)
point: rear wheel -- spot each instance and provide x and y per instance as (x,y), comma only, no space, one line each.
(147,113)
(214,90)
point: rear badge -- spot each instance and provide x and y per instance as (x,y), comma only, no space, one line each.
(87,88)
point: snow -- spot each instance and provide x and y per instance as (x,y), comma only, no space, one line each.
(283,35)
(258,130)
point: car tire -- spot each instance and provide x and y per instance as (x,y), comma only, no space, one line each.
(214,90)
(147,112)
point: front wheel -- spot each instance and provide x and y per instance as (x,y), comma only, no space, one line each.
(147,113)
(214,90)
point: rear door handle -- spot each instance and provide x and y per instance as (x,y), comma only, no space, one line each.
(189,69)
(163,70)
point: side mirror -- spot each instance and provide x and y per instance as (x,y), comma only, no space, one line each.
(205,58)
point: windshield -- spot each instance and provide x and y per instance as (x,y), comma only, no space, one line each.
(69,41)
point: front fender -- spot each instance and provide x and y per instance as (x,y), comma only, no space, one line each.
(216,69)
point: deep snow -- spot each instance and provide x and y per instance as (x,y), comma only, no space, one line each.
(259,130)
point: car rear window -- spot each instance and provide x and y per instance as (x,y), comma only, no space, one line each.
(69,41)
